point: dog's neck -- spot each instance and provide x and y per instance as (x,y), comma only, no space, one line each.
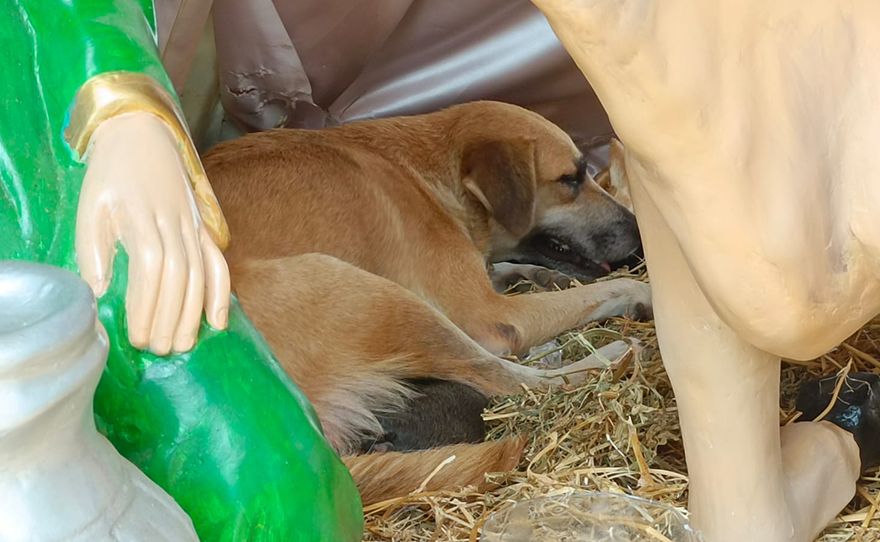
(431,152)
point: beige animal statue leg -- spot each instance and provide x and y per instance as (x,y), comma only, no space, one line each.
(747,481)
(751,132)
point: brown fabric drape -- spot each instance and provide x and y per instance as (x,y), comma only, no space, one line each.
(315,63)
(179,25)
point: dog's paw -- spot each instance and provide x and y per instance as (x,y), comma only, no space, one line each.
(382,447)
(641,310)
(550,279)
(610,356)
(546,355)
(377,445)
(515,278)
(632,300)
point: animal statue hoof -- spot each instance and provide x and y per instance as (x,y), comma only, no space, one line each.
(856,410)
(59,478)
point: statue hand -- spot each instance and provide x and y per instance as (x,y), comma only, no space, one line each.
(136,192)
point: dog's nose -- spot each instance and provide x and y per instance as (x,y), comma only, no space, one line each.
(637,254)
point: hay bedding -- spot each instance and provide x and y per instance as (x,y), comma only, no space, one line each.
(619,433)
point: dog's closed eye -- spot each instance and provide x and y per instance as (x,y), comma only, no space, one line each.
(576,179)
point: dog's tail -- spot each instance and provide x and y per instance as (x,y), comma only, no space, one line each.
(389,475)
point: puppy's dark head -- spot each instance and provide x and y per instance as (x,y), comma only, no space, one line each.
(545,208)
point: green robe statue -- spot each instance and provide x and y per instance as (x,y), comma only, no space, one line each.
(222,429)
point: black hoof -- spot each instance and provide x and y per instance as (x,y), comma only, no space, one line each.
(857,410)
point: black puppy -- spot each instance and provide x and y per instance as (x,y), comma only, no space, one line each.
(440,414)
(857,410)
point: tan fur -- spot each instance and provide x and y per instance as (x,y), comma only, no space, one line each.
(391,475)
(613,178)
(354,336)
(360,253)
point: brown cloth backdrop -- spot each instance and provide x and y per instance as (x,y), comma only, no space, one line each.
(317,63)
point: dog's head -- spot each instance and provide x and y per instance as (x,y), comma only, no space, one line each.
(544,207)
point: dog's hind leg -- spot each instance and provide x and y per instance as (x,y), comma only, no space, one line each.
(446,412)
(350,340)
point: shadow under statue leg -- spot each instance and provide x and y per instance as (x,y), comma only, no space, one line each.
(743,484)
(225,432)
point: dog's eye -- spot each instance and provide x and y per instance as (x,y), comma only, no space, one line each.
(576,179)
(572,179)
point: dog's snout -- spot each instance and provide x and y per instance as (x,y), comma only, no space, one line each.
(632,228)
(631,238)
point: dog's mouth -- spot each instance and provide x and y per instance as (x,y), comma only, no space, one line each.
(556,248)
(564,255)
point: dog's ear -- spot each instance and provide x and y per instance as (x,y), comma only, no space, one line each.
(613,179)
(603,179)
(501,175)
(618,182)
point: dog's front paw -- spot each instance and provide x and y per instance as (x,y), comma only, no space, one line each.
(630,299)
(639,306)
(550,279)
(515,278)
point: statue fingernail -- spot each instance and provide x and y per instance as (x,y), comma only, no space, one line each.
(223,318)
(138,342)
(185,345)
(163,346)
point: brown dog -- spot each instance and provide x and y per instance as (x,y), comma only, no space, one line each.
(360,253)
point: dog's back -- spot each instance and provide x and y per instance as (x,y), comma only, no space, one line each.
(289,192)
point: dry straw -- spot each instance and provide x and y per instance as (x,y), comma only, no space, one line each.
(618,433)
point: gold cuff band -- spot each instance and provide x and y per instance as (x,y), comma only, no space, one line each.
(115,93)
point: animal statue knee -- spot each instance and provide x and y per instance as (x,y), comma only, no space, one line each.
(59,478)
(750,130)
